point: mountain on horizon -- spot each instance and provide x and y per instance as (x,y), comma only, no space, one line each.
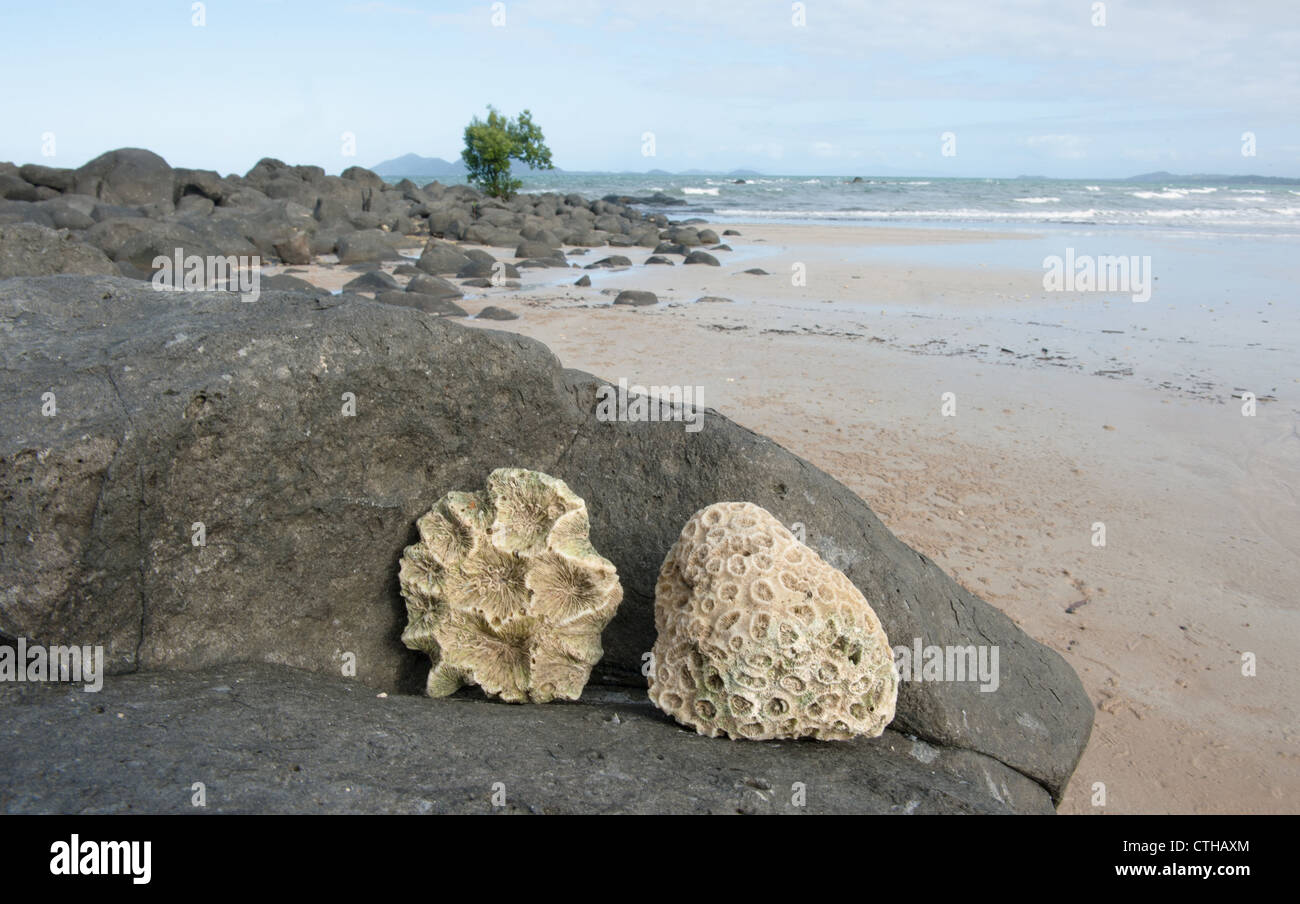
(1163,176)
(415,165)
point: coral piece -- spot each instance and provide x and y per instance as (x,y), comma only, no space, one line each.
(760,638)
(504,590)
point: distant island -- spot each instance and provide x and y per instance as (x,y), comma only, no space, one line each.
(1213,177)
(415,165)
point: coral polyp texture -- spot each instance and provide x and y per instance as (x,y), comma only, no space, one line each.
(504,590)
(760,638)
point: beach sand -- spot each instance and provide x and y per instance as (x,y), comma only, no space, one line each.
(1058,427)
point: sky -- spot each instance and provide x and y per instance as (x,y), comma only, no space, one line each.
(1060,88)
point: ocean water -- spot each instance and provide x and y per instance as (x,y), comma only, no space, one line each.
(1216,207)
(1224,261)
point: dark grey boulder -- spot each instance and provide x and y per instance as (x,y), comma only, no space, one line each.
(27,249)
(65,215)
(441,257)
(269,224)
(614,261)
(364,177)
(636,298)
(296,249)
(127,176)
(477,282)
(720,248)
(433,285)
(669,248)
(192,183)
(487,269)
(583,281)
(429,304)
(327,211)
(371,281)
(538,250)
(730,232)
(58,178)
(540,235)
(14,188)
(370,245)
(141,241)
(269,739)
(303,537)
(702,257)
(708,237)
(757,271)
(492,312)
(656,259)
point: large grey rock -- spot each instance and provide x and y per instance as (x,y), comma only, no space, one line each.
(433,285)
(539,251)
(371,281)
(268,739)
(637,298)
(478,268)
(702,257)
(14,188)
(440,257)
(57,178)
(370,245)
(182,408)
(27,249)
(429,304)
(613,262)
(127,176)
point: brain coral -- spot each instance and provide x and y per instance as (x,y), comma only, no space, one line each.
(504,590)
(760,638)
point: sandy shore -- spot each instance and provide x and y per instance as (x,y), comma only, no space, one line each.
(1061,424)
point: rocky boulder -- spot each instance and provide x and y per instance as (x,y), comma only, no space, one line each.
(184,409)
(127,176)
(269,739)
(27,249)
(365,246)
(636,298)
(440,257)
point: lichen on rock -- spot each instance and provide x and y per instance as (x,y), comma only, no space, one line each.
(504,590)
(760,638)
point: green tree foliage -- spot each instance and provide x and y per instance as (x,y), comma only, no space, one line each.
(491,145)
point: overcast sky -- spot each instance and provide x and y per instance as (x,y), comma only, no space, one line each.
(864,88)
